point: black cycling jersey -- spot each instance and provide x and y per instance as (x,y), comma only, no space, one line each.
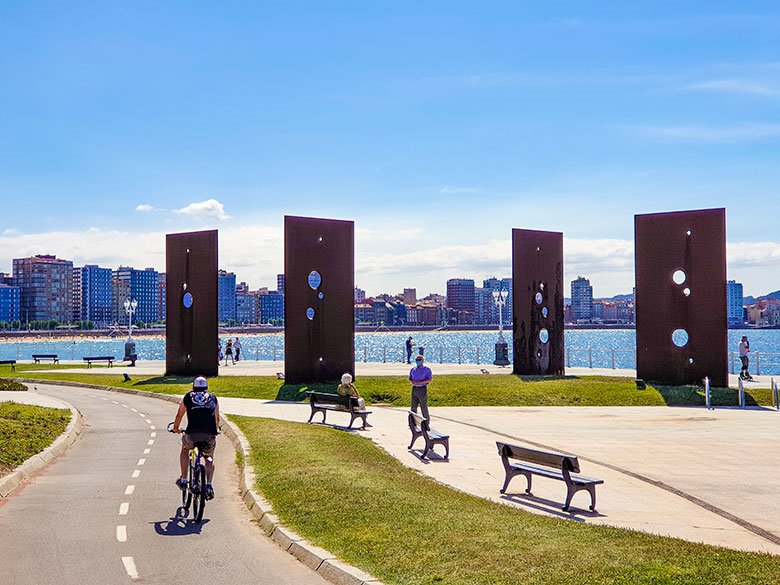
(201,412)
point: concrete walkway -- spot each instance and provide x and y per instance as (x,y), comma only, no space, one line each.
(703,476)
(271,368)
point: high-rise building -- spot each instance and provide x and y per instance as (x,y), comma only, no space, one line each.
(93,301)
(6,278)
(581,299)
(75,293)
(500,284)
(144,288)
(734,302)
(226,299)
(10,300)
(161,294)
(410,297)
(280,283)
(246,304)
(120,292)
(271,308)
(460,298)
(45,288)
(360,295)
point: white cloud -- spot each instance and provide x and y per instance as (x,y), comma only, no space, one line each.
(742,86)
(12,232)
(145,208)
(208,208)
(712,134)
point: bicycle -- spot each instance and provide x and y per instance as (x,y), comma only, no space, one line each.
(195,492)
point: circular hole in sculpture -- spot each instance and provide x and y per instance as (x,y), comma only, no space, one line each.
(687,291)
(187,300)
(315,280)
(680,337)
(678,277)
(310,314)
(538,298)
(538,249)
(321,296)
(544,336)
(319,239)
(690,360)
(541,286)
(539,353)
(545,312)
(688,233)
(184,286)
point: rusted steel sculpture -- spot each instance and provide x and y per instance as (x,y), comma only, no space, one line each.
(537,302)
(319,289)
(191,335)
(681,318)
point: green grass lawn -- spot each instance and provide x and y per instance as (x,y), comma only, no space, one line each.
(26,430)
(345,494)
(446,390)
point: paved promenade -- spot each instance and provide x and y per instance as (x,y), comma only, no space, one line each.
(270,368)
(704,476)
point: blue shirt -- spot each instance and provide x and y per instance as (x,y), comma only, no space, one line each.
(419,375)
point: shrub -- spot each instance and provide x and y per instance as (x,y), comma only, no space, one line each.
(12,385)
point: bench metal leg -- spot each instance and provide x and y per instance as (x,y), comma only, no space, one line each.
(446,449)
(592,490)
(569,495)
(508,478)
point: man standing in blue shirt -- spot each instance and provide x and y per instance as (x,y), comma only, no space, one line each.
(420,376)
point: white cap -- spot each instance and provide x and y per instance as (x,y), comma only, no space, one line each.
(200,383)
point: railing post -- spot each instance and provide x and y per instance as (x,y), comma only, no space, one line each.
(365,355)
(731,355)
(274,353)
(460,354)
(775,401)
(613,359)
(257,353)
(384,355)
(568,358)
(741,394)
(477,355)
(590,358)
(707,398)
(758,363)
(441,359)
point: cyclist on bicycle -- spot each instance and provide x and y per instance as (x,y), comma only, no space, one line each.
(202,412)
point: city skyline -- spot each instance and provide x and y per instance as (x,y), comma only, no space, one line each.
(436,131)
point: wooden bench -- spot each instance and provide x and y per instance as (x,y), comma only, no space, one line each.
(323,402)
(546,464)
(110,359)
(420,427)
(11,363)
(37,357)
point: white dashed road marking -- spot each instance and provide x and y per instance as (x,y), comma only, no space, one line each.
(148,421)
(123,507)
(114,402)
(125,406)
(121,533)
(152,427)
(153,435)
(141,461)
(133,409)
(136,473)
(147,451)
(129,564)
(129,490)
(150,442)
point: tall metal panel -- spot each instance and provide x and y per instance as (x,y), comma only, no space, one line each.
(191,335)
(537,302)
(681,318)
(319,289)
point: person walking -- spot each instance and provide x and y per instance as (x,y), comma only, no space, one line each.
(420,376)
(744,349)
(409,346)
(229,352)
(237,347)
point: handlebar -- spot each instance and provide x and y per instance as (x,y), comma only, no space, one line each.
(170,429)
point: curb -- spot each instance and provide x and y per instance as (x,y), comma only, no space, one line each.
(40,460)
(318,559)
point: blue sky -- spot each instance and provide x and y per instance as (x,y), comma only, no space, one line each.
(436,126)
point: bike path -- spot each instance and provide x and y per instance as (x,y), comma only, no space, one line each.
(105,512)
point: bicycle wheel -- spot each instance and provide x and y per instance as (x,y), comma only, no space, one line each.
(199,500)
(186,494)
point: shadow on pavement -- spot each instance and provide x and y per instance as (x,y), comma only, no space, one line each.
(550,507)
(178,526)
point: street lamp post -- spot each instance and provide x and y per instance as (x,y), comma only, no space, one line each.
(131,306)
(502,349)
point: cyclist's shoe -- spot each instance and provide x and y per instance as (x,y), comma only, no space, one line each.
(181,483)
(209,492)
(195,488)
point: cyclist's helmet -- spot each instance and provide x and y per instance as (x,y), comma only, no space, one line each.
(200,384)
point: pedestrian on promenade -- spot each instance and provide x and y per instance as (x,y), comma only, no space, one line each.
(409,346)
(744,349)
(237,347)
(220,355)
(420,376)
(229,352)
